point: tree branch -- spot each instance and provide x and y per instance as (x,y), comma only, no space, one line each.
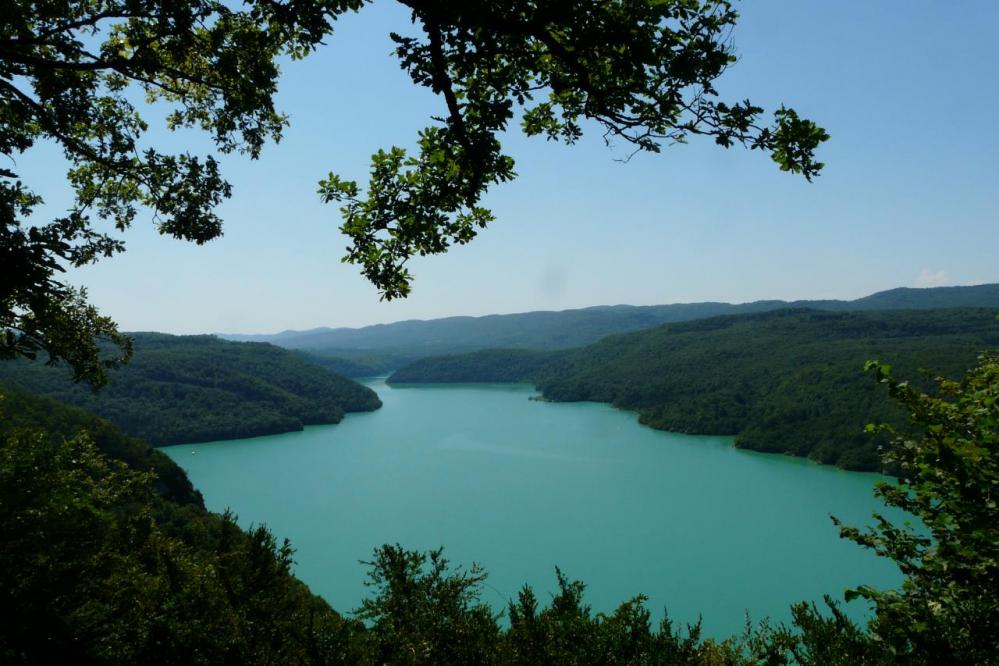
(442,83)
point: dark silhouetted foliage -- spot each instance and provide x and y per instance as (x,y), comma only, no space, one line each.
(35,413)
(72,74)
(96,568)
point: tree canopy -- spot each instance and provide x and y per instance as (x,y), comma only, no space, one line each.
(102,568)
(68,74)
(947,610)
(643,71)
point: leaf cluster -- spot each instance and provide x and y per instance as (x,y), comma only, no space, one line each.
(642,70)
(948,608)
(72,73)
(21,412)
(101,570)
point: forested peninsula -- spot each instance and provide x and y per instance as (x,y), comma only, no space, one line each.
(188,389)
(788,381)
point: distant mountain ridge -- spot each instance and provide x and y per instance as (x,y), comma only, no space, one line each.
(547,330)
(784,381)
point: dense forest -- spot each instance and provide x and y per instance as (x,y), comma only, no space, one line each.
(103,567)
(789,381)
(103,570)
(145,574)
(23,411)
(391,346)
(356,365)
(184,389)
(486,365)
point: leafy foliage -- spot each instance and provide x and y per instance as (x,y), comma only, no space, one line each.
(948,609)
(643,71)
(68,71)
(782,382)
(181,389)
(423,611)
(25,412)
(102,571)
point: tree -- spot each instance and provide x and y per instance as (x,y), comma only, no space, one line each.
(643,70)
(425,612)
(67,73)
(101,570)
(948,608)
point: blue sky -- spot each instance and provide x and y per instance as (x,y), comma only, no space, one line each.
(910,195)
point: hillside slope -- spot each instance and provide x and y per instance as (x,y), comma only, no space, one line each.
(182,389)
(394,345)
(21,412)
(788,381)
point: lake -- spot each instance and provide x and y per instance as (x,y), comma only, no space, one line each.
(523,486)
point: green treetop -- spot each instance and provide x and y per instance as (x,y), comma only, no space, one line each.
(642,70)
(948,608)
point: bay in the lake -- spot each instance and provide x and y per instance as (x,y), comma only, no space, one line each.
(523,486)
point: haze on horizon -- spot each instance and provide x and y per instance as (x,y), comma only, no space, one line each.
(908,196)
(237,335)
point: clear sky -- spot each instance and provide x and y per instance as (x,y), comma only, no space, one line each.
(908,89)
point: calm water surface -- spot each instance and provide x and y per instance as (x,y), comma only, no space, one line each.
(521,487)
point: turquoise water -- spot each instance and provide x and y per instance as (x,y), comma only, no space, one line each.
(522,486)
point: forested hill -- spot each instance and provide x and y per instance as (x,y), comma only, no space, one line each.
(485,365)
(21,412)
(183,389)
(789,381)
(393,345)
